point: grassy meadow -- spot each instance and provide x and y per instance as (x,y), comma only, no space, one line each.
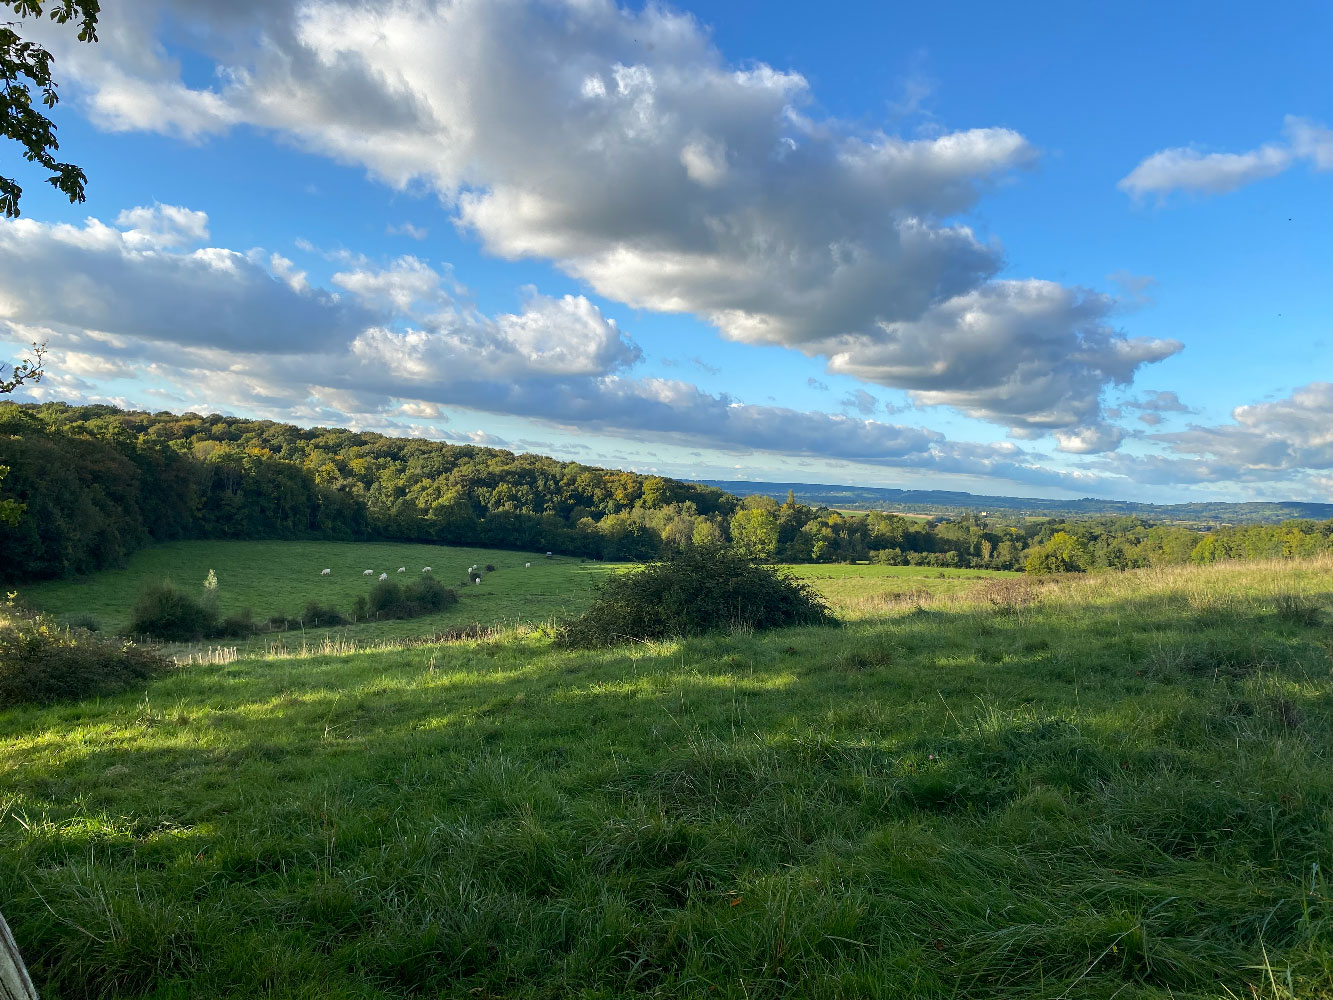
(862,591)
(1117,786)
(274,578)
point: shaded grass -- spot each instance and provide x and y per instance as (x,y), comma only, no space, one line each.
(1121,787)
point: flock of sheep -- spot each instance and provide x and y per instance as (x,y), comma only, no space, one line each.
(383,576)
(472,573)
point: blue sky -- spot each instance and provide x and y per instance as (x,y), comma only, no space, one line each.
(1044,251)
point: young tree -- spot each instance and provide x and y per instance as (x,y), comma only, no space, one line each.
(25,66)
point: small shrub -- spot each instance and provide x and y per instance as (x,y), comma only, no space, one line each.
(86,622)
(490,568)
(42,661)
(237,626)
(389,599)
(314,616)
(385,598)
(429,594)
(702,589)
(164,612)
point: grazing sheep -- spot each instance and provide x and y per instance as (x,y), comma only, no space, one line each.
(527,565)
(369,572)
(384,576)
(326,572)
(548,555)
(425,569)
(402,569)
(477,580)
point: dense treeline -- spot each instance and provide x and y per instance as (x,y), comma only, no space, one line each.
(94,488)
(98,482)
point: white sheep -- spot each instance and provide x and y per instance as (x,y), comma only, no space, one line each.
(369,572)
(477,581)
(527,565)
(425,569)
(326,572)
(384,576)
(402,569)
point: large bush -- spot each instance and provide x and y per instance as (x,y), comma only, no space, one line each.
(43,661)
(163,611)
(390,599)
(702,589)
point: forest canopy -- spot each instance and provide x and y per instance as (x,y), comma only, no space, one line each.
(97,483)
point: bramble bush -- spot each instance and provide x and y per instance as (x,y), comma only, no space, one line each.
(42,661)
(701,589)
(164,611)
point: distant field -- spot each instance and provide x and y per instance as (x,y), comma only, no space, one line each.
(862,511)
(274,578)
(1111,788)
(866,591)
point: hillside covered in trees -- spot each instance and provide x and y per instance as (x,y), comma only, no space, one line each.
(96,483)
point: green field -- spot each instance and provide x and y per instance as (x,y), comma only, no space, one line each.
(1113,787)
(869,591)
(273,578)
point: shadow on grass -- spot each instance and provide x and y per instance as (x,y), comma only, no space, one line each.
(952,803)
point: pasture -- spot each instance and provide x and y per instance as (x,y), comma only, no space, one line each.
(273,577)
(1106,787)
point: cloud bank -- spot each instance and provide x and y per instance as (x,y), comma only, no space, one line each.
(393,346)
(621,145)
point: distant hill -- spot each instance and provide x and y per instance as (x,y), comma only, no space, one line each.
(950,501)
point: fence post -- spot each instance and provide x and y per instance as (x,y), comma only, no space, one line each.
(14,981)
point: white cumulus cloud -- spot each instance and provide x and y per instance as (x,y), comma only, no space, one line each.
(620,144)
(1185,168)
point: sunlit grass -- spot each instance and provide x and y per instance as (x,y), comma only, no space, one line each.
(867,591)
(280,578)
(1096,787)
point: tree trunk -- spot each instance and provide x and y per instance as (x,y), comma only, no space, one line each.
(14,981)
